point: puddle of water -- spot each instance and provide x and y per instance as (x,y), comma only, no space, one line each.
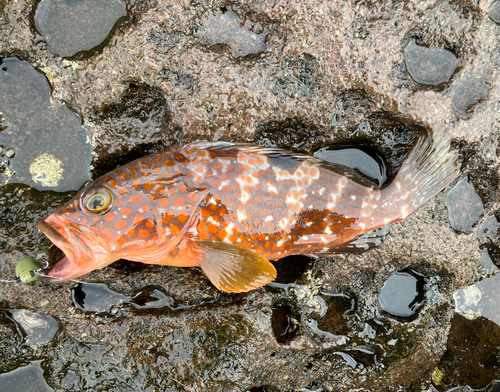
(72,26)
(465,207)
(401,295)
(480,300)
(285,323)
(43,146)
(99,298)
(38,328)
(471,357)
(225,27)
(430,65)
(363,160)
(96,297)
(25,379)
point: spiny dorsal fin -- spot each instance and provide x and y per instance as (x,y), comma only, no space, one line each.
(231,268)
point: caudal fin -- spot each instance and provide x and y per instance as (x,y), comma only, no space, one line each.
(429,168)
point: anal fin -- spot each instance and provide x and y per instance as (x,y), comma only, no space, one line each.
(231,268)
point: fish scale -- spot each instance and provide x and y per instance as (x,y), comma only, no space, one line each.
(231,207)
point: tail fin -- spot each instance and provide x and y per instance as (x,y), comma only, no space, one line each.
(429,168)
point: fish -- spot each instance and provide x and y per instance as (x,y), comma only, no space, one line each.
(232,208)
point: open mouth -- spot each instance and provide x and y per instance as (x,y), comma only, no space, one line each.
(78,257)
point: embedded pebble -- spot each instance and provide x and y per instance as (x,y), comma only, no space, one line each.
(467,92)
(464,206)
(402,294)
(225,27)
(430,65)
(494,13)
(72,26)
(39,328)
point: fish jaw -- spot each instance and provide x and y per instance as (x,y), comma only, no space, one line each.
(84,252)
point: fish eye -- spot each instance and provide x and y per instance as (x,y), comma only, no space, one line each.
(97,200)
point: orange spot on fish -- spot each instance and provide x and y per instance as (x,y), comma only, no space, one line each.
(122,191)
(182,188)
(161,190)
(121,224)
(163,202)
(119,202)
(149,186)
(146,207)
(205,213)
(96,219)
(150,223)
(193,197)
(126,211)
(202,154)
(169,162)
(76,215)
(144,233)
(84,221)
(222,234)
(137,218)
(157,170)
(113,184)
(109,216)
(213,229)
(172,191)
(121,241)
(136,198)
(183,217)
(174,229)
(131,233)
(152,197)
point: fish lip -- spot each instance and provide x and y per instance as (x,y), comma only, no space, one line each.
(78,255)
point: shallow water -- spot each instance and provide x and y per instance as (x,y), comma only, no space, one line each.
(72,26)
(43,145)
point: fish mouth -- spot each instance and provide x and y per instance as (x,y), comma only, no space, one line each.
(83,250)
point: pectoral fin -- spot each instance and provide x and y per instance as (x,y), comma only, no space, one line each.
(231,268)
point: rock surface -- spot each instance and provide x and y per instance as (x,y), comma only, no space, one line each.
(329,72)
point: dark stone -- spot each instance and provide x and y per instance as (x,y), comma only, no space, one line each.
(430,65)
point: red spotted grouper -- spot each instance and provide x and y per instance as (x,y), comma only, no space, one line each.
(230,208)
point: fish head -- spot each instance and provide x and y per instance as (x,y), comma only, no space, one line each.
(99,226)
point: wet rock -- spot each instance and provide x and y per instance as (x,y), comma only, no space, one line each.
(25,379)
(495,12)
(466,92)
(135,126)
(430,65)
(464,206)
(333,318)
(72,26)
(226,27)
(401,295)
(49,147)
(38,328)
